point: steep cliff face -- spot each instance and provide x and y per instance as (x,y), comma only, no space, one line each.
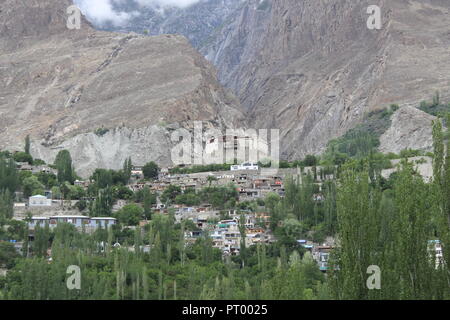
(312,68)
(60,85)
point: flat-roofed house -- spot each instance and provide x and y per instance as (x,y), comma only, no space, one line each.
(39,201)
(37,221)
(77,221)
(102,222)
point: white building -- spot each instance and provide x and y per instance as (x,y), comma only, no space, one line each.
(39,201)
(245,166)
(80,222)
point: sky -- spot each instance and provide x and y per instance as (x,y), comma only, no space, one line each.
(100,12)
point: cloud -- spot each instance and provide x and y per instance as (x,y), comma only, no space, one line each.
(100,12)
(163,3)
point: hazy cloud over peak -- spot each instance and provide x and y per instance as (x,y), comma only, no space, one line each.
(100,12)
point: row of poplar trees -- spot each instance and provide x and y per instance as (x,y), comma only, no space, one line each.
(395,230)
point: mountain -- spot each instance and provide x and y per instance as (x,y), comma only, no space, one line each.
(313,69)
(196,22)
(104,96)
(310,68)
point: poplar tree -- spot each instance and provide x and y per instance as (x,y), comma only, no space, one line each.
(27,144)
(63,163)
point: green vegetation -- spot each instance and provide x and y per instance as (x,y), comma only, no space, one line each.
(169,271)
(388,223)
(101,131)
(150,170)
(436,107)
(130,215)
(363,139)
(201,168)
(127,168)
(27,144)
(63,163)
(23,157)
(392,228)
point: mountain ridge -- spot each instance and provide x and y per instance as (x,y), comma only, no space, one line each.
(60,85)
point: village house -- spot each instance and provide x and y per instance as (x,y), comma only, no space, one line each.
(321,255)
(81,183)
(80,222)
(245,166)
(137,172)
(43,169)
(24,166)
(39,201)
(435,246)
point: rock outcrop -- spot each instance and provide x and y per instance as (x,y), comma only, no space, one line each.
(411,128)
(60,86)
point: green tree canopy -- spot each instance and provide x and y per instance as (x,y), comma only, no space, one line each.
(150,170)
(63,163)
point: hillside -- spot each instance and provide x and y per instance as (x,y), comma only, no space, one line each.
(61,85)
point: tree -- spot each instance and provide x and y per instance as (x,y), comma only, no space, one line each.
(188,199)
(63,163)
(48,179)
(8,254)
(242,232)
(170,193)
(436,98)
(6,205)
(127,168)
(130,214)
(103,178)
(441,183)
(149,200)
(56,192)
(210,179)
(9,177)
(32,186)
(27,144)
(23,157)
(102,206)
(310,161)
(150,170)
(389,230)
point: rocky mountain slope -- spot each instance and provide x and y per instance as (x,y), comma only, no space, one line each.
(61,85)
(313,69)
